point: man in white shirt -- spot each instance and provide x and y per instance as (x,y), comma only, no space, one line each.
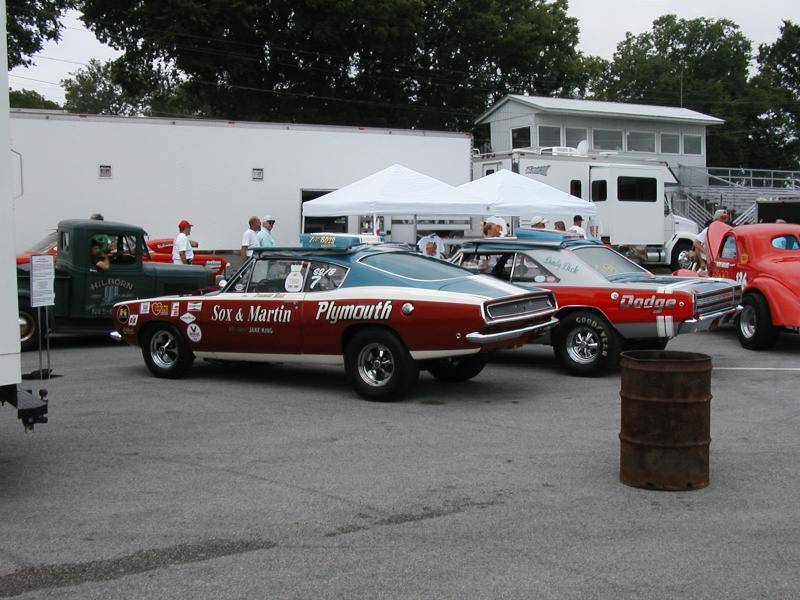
(431,245)
(249,238)
(701,243)
(182,253)
(577,226)
(264,237)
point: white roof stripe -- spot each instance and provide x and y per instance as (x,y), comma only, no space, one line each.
(609,109)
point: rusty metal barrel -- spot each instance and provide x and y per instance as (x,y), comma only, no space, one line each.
(666,419)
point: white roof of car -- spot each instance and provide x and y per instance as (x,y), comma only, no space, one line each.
(597,108)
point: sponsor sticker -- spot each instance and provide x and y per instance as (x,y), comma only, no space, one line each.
(175,310)
(123,313)
(188,318)
(144,308)
(194,333)
(294,280)
(133,320)
(194,306)
(160,309)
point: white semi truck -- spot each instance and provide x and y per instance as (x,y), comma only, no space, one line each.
(30,409)
(632,198)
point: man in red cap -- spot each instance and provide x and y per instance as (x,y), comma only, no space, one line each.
(182,253)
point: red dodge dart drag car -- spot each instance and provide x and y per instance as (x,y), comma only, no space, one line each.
(606,302)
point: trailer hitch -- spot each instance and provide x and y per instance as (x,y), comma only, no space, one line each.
(30,410)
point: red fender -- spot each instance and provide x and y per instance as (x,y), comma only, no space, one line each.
(784,305)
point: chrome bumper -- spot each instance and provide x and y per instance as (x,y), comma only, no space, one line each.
(116,336)
(706,322)
(502,336)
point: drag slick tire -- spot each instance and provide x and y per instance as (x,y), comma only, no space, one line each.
(457,368)
(585,344)
(378,365)
(754,324)
(166,352)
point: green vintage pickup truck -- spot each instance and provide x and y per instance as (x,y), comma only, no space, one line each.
(85,293)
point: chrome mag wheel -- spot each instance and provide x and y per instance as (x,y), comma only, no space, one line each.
(376,364)
(583,345)
(164,349)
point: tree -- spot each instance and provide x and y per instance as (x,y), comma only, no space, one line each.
(30,23)
(93,90)
(400,63)
(776,132)
(699,64)
(30,99)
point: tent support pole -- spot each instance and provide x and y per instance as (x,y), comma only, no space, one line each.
(414,241)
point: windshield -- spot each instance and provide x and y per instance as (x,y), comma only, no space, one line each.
(611,265)
(414,266)
(44,246)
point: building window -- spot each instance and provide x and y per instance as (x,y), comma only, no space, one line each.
(549,136)
(258,174)
(521,137)
(575,136)
(607,139)
(670,143)
(641,141)
(637,189)
(599,190)
(692,144)
(575,188)
(105,172)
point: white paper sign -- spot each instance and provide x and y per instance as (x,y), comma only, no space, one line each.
(43,278)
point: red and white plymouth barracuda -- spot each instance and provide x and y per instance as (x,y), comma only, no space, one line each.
(383,312)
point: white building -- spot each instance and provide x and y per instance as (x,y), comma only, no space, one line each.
(638,131)
(154,172)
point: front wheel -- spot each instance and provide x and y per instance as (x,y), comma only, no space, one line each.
(28,327)
(754,327)
(682,256)
(458,368)
(378,365)
(586,344)
(166,352)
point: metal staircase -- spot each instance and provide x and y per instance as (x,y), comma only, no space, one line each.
(735,190)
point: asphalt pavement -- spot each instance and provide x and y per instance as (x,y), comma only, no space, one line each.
(276,481)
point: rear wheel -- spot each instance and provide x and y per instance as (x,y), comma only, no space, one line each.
(166,352)
(754,325)
(459,368)
(378,365)
(586,344)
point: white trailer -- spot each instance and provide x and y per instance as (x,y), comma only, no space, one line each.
(154,172)
(632,198)
(29,409)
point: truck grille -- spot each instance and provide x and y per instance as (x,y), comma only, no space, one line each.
(712,302)
(521,307)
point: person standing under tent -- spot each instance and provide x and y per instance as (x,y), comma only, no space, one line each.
(431,245)
(577,226)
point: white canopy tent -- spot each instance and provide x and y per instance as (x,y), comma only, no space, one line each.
(396,190)
(515,195)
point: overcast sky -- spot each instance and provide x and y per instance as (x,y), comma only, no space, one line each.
(603,23)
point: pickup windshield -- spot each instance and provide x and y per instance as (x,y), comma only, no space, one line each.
(611,265)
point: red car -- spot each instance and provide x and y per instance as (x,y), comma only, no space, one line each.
(383,312)
(765,259)
(606,302)
(159,250)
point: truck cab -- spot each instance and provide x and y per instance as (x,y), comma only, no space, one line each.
(86,289)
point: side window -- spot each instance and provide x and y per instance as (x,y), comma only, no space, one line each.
(785,242)
(728,248)
(64,241)
(238,284)
(637,189)
(527,270)
(324,277)
(575,188)
(124,250)
(599,190)
(496,264)
(277,276)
